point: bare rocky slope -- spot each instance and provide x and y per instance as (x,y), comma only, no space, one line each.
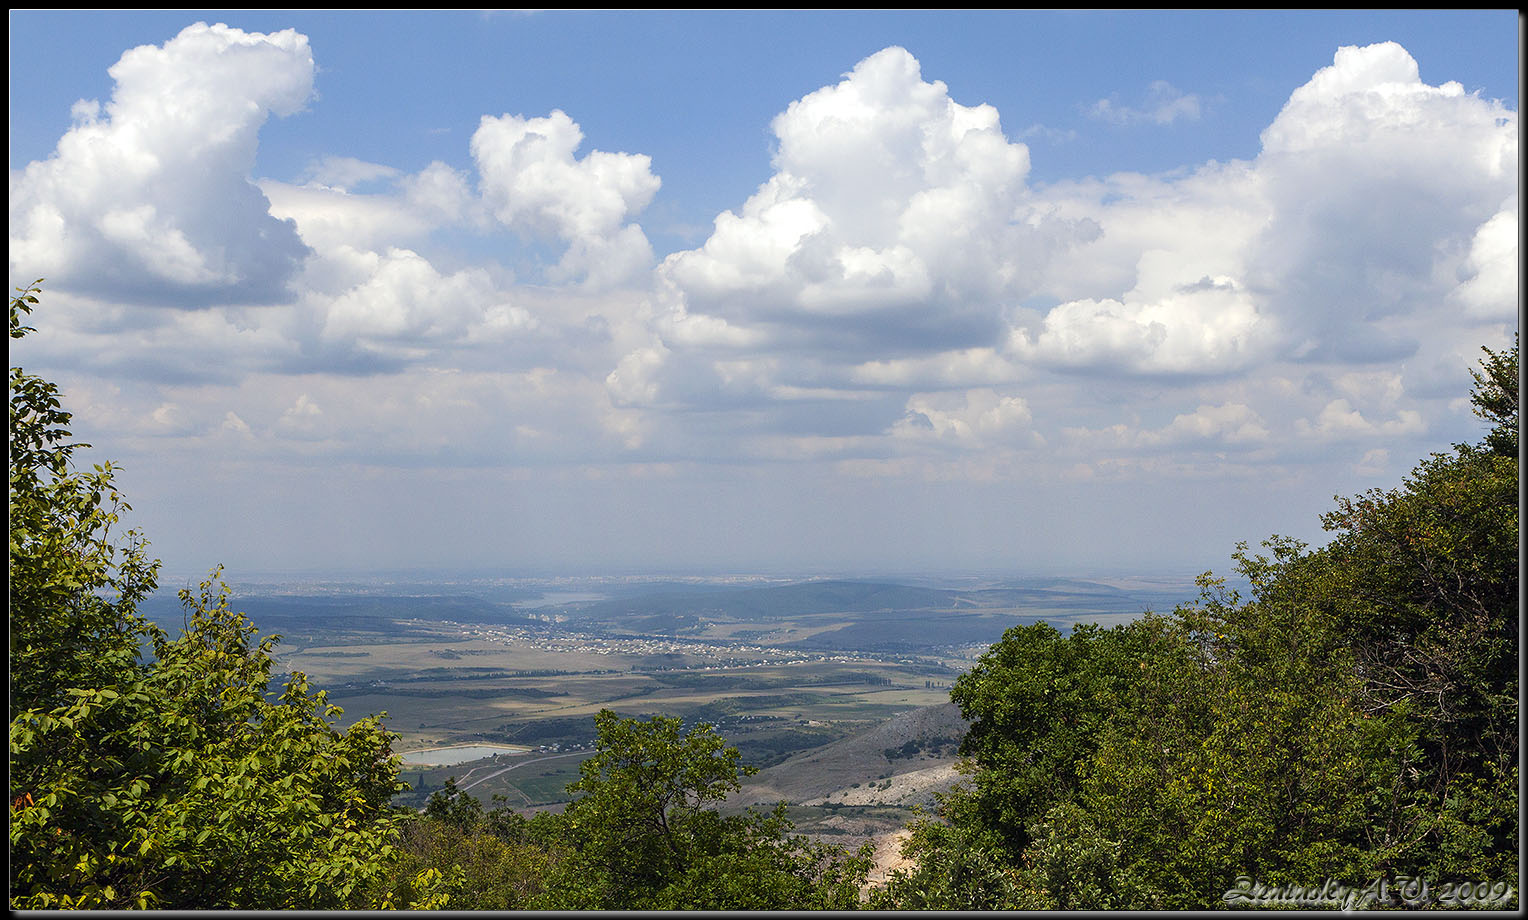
(858,771)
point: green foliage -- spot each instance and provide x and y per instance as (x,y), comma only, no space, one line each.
(475,866)
(1278,775)
(1496,397)
(1355,718)
(494,860)
(181,784)
(74,584)
(429,889)
(1423,585)
(173,781)
(453,806)
(1044,701)
(959,864)
(640,796)
(640,834)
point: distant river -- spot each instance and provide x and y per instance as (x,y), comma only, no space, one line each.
(457,753)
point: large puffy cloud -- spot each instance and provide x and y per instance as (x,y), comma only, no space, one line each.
(151,199)
(894,220)
(894,232)
(405,299)
(1377,199)
(1489,289)
(375,291)
(1382,189)
(534,183)
(895,290)
(1208,327)
(371,291)
(897,246)
(1162,289)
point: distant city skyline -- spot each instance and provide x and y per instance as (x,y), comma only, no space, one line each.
(793,294)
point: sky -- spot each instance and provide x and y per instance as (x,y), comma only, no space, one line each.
(564,293)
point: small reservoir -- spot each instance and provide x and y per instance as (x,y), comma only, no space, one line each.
(457,754)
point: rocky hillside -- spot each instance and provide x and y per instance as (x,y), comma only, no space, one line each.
(902,761)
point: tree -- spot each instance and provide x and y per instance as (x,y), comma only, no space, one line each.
(454,806)
(492,861)
(1354,718)
(1049,712)
(181,784)
(74,585)
(1424,587)
(1042,701)
(641,834)
(169,779)
(1495,398)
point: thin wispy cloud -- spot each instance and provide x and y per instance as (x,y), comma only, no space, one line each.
(1163,104)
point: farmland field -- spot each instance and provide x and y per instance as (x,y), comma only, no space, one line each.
(780,669)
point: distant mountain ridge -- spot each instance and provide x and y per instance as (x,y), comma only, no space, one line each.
(852,596)
(778,601)
(877,614)
(871,614)
(273,612)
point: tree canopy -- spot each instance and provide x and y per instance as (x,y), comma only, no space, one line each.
(1354,718)
(643,832)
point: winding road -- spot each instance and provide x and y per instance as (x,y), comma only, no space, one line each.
(524,763)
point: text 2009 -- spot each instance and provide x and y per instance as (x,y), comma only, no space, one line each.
(1461,893)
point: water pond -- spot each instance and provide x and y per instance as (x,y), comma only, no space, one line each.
(457,754)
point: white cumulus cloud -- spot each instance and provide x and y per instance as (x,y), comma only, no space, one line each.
(1491,279)
(534,183)
(979,417)
(149,198)
(1376,201)
(404,298)
(896,293)
(895,213)
(1378,184)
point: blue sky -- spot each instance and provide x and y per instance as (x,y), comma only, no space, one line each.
(811,292)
